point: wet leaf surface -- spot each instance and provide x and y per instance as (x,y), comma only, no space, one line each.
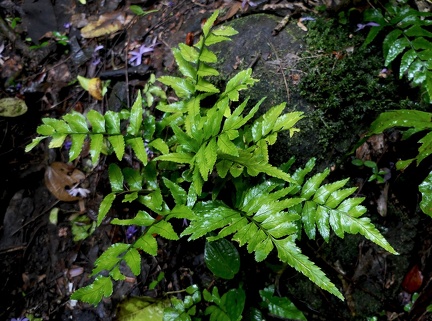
(43,262)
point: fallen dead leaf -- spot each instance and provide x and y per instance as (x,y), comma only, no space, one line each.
(60,177)
(106,24)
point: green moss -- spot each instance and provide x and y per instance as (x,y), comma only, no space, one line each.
(341,83)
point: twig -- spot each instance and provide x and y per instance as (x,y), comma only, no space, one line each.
(282,72)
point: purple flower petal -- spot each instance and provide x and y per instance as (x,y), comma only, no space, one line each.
(372,24)
(136,58)
(130,232)
(307,19)
(98,48)
(361,26)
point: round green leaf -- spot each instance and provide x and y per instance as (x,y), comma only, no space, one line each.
(222,258)
(12,107)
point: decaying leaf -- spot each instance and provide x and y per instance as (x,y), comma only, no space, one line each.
(301,25)
(61,177)
(372,148)
(106,24)
(93,86)
(12,107)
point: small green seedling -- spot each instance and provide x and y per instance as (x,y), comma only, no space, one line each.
(377,174)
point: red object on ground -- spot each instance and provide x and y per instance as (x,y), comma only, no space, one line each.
(413,280)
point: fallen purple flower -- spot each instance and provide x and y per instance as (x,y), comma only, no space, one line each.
(130,232)
(307,19)
(77,191)
(20,319)
(95,57)
(136,55)
(361,26)
(67,145)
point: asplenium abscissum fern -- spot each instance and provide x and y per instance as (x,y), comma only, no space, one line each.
(191,153)
(415,121)
(408,36)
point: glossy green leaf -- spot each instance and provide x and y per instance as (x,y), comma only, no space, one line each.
(184,66)
(160,145)
(118,144)
(207,56)
(59,125)
(77,145)
(57,140)
(226,146)
(324,191)
(139,149)
(45,130)
(389,40)
(425,189)
(133,178)
(96,144)
(313,183)
(182,87)
(208,25)
(426,147)
(164,229)
(182,158)
(239,82)
(204,85)
(417,72)
(309,218)
(289,253)
(77,122)
(224,31)
(211,215)
(97,121)
(338,196)
(421,43)
(205,70)
(133,260)
(280,307)
(222,258)
(223,168)
(105,206)
(188,53)
(142,218)
(147,243)
(135,118)
(177,192)
(401,118)
(111,257)
(417,31)
(407,59)
(34,143)
(141,308)
(115,177)
(101,287)
(396,48)
(112,122)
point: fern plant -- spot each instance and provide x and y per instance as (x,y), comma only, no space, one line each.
(195,154)
(407,37)
(416,122)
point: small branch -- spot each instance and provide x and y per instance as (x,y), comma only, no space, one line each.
(282,71)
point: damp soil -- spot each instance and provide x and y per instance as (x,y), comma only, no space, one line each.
(42,264)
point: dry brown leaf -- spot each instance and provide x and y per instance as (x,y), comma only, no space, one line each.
(106,24)
(234,8)
(301,25)
(95,88)
(59,177)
